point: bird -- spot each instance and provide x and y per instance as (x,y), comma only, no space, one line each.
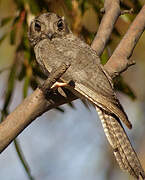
(54,44)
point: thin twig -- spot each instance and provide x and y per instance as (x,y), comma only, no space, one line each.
(130,11)
(22,159)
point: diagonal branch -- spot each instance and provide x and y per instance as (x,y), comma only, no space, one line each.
(112,12)
(32,107)
(119,61)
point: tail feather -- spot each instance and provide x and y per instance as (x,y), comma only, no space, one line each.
(123,150)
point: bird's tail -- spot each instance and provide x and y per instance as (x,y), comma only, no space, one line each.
(118,139)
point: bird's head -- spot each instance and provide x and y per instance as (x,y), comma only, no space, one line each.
(47,26)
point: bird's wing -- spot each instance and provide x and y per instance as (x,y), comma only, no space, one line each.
(109,104)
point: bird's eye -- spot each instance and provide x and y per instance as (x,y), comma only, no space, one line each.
(60,25)
(37,26)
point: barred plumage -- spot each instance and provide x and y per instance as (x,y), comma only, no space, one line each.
(123,150)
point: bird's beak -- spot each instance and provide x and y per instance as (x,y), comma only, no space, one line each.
(49,35)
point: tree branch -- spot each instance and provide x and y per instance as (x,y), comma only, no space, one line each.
(32,107)
(119,61)
(112,12)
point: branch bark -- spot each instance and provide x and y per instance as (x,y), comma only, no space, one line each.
(112,12)
(36,104)
(31,108)
(119,61)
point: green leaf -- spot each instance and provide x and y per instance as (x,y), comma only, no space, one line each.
(20,4)
(22,159)
(126,18)
(15,20)
(10,87)
(13,36)
(69,4)
(4,113)
(34,7)
(26,86)
(27,55)
(60,109)
(25,42)
(3,38)
(22,73)
(104,57)
(4,21)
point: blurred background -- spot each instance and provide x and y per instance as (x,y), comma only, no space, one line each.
(67,143)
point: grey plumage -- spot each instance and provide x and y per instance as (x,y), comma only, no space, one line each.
(122,148)
(54,44)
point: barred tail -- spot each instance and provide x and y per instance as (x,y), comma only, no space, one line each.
(118,139)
